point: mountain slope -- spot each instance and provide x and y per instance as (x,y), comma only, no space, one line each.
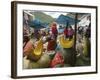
(44,18)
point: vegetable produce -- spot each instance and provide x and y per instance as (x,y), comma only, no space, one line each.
(37,52)
(43,62)
(65,43)
(28,48)
(86,47)
(58,59)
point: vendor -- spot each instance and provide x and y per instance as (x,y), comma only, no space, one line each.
(66,32)
(54,29)
(70,32)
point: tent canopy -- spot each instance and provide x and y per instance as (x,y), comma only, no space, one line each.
(36,24)
(62,19)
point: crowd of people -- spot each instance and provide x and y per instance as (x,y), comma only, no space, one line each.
(49,36)
(50,39)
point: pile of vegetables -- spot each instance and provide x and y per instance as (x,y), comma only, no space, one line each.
(66,43)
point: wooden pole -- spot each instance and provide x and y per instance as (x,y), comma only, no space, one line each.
(76,19)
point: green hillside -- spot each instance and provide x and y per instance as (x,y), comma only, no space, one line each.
(44,18)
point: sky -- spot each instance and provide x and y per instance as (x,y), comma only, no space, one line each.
(55,14)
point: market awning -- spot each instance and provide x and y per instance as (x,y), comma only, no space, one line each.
(62,19)
(36,24)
